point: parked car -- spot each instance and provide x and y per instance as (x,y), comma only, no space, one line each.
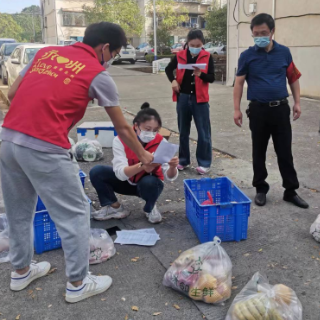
(5,52)
(177,47)
(142,50)
(67,42)
(128,54)
(215,48)
(6,40)
(20,57)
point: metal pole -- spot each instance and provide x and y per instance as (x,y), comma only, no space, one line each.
(34,31)
(155,29)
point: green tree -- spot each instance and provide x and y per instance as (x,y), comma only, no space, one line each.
(9,28)
(30,21)
(216,24)
(126,13)
(169,13)
(163,40)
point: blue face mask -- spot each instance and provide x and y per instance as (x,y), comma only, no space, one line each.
(195,51)
(262,42)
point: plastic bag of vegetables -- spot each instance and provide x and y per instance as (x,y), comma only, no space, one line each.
(88,150)
(315,229)
(4,239)
(259,300)
(101,246)
(203,273)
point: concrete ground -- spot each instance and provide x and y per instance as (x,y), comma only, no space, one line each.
(289,255)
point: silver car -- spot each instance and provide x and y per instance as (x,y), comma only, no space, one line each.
(127,53)
(5,52)
(215,48)
(142,50)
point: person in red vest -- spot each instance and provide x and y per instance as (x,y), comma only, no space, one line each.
(129,176)
(191,92)
(47,100)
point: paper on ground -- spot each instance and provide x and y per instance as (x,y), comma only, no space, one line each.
(142,237)
(165,152)
(189,66)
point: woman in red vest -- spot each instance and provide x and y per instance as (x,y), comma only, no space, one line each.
(191,92)
(129,177)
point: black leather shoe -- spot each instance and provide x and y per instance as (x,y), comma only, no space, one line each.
(297,201)
(260,199)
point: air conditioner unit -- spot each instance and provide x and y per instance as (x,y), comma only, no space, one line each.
(210,8)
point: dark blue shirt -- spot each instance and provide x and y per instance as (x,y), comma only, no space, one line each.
(266,72)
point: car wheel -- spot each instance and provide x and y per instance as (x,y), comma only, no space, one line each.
(215,53)
(133,61)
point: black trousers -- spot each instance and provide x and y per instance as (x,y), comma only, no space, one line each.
(268,121)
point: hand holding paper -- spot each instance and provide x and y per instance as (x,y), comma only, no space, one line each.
(165,152)
(191,66)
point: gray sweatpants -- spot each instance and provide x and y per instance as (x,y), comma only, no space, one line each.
(26,173)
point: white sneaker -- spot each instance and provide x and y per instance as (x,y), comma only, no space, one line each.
(37,270)
(154,216)
(108,212)
(91,286)
(202,170)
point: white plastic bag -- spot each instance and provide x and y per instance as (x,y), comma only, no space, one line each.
(202,273)
(315,229)
(88,150)
(4,239)
(101,246)
(259,300)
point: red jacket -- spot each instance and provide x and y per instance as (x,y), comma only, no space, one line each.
(54,93)
(202,87)
(133,159)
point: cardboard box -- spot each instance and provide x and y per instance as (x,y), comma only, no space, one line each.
(165,133)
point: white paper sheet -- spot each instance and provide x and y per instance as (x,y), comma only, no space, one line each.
(141,237)
(165,152)
(189,66)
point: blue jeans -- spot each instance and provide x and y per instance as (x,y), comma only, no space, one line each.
(187,107)
(104,180)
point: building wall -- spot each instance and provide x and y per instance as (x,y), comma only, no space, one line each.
(55,30)
(300,34)
(179,32)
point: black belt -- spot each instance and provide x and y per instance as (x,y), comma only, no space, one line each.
(271,103)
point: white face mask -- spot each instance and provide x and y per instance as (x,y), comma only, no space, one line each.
(147,136)
(109,63)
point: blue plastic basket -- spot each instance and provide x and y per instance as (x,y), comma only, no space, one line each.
(46,236)
(227,219)
(40,205)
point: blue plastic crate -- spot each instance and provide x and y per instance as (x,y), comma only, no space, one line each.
(40,205)
(46,236)
(82,177)
(227,219)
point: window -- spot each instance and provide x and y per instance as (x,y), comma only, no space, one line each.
(74,19)
(8,49)
(191,23)
(29,54)
(16,54)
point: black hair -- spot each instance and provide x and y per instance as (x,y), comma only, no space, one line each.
(146,113)
(261,19)
(195,34)
(105,32)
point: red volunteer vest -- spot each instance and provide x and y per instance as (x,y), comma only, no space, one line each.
(54,93)
(202,88)
(133,159)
